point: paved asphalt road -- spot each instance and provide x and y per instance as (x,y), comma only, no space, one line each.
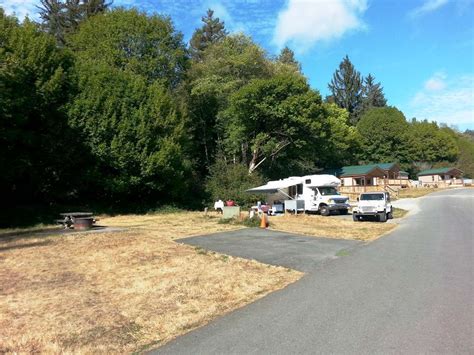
(409,292)
(277,248)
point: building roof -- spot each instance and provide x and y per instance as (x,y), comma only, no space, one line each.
(360,170)
(438,171)
(403,173)
(387,166)
(356,170)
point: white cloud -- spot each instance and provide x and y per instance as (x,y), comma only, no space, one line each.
(427,6)
(436,82)
(21,8)
(452,104)
(305,22)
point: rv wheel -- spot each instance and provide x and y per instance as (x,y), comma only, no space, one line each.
(324,210)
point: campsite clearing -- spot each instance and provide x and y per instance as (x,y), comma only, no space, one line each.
(133,287)
(123,291)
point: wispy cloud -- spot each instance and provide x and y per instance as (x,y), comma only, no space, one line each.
(436,82)
(426,7)
(305,22)
(451,103)
(21,8)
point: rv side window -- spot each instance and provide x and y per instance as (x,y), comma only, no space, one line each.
(292,191)
(307,181)
(299,189)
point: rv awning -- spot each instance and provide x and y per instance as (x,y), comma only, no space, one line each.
(275,186)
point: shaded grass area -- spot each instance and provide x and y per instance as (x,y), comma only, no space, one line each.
(319,226)
(121,292)
(31,216)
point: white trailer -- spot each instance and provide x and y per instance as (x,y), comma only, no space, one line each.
(310,193)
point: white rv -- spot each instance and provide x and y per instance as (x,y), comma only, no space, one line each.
(311,193)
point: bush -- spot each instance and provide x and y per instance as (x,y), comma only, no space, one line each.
(251,222)
(247,222)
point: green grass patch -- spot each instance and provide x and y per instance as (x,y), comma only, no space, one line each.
(342,252)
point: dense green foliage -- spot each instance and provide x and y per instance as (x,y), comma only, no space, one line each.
(228,181)
(224,68)
(109,106)
(387,136)
(384,132)
(36,144)
(274,121)
(124,106)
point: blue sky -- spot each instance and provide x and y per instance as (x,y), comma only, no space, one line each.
(422,51)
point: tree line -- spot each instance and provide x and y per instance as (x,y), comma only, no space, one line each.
(110,106)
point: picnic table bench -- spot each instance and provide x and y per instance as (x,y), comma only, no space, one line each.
(77,220)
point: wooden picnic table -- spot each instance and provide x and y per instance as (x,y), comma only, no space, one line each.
(69,219)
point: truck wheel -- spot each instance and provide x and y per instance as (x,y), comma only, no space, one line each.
(343,211)
(324,210)
(382,217)
(355,218)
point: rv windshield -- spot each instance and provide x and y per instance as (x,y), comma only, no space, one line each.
(328,191)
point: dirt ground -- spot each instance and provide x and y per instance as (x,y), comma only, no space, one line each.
(124,291)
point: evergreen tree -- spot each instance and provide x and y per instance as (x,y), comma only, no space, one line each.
(60,17)
(211,32)
(346,88)
(373,95)
(287,56)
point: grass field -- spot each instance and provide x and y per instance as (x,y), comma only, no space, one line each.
(124,291)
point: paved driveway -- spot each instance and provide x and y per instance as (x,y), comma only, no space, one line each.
(276,248)
(410,292)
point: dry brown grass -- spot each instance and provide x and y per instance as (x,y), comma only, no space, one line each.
(121,292)
(418,192)
(319,226)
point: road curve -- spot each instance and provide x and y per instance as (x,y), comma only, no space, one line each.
(408,292)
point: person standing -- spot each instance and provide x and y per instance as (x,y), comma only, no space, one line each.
(219,206)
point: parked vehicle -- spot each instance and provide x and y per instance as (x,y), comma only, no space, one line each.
(311,193)
(373,204)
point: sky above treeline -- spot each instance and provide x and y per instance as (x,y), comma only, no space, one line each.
(422,51)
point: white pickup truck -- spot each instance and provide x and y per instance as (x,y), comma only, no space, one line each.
(373,204)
